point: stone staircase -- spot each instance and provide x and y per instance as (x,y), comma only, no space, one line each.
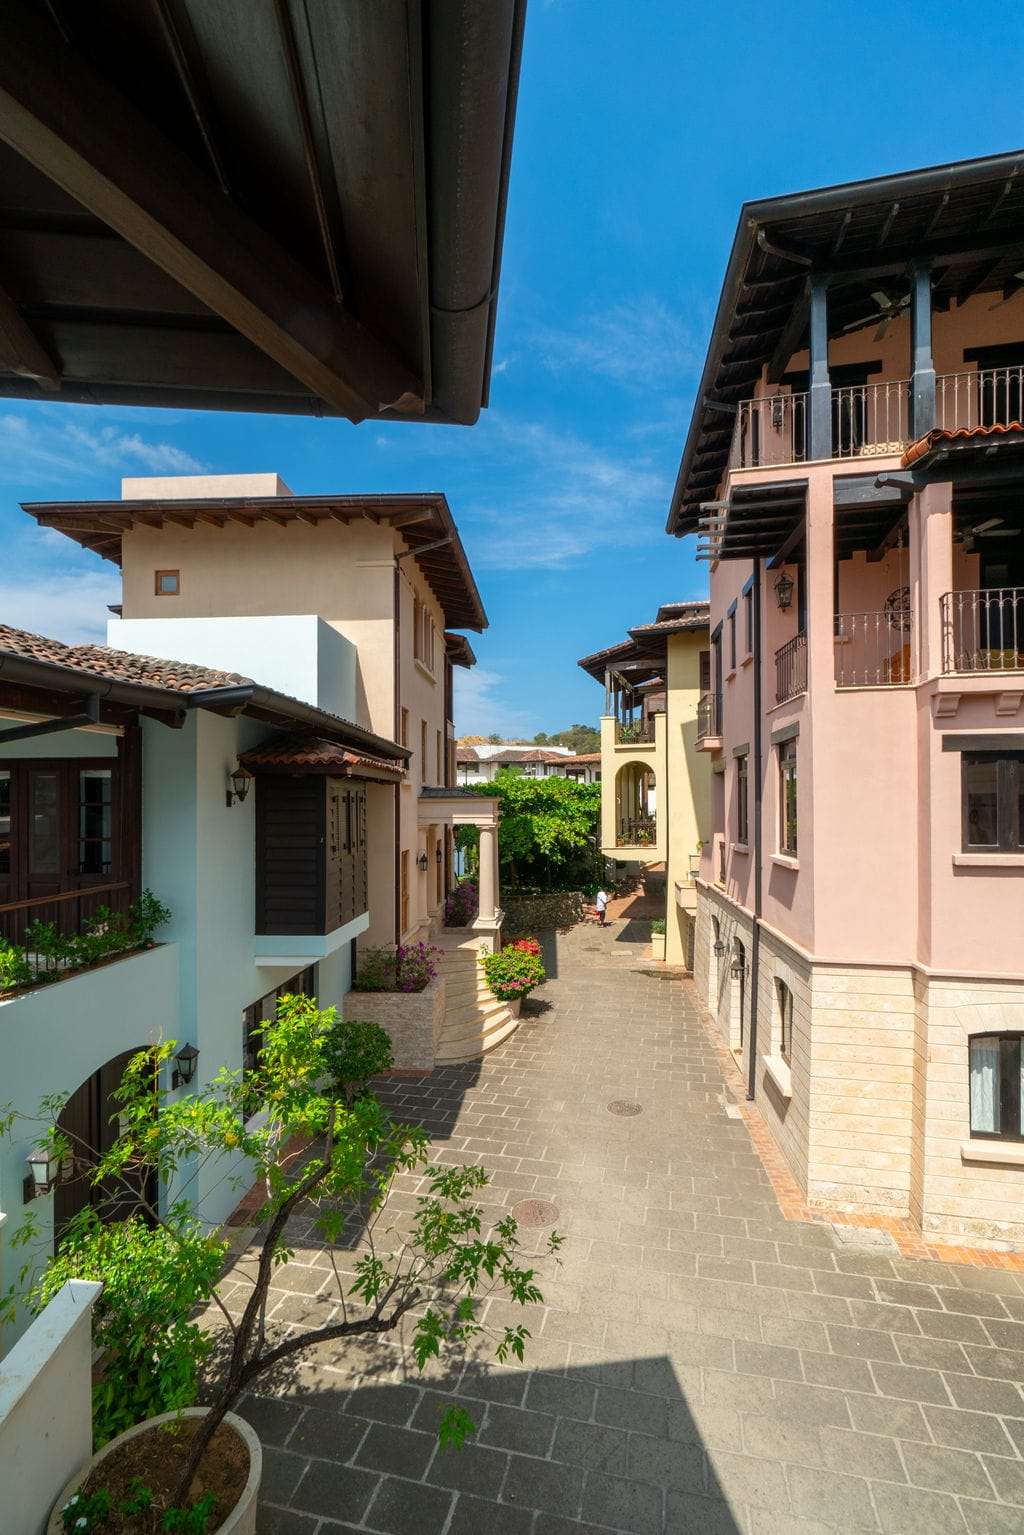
(474,1020)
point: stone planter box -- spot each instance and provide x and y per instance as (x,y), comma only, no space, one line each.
(657,945)
(242,1518)
(412,1021)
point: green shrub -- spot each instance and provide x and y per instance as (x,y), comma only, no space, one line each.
(513,973)
(15,969)
(658,925)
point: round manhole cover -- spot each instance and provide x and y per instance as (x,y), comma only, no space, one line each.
(625,1106)
(535,1212)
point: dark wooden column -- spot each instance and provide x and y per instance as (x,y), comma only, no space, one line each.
(819,414)
(922,381)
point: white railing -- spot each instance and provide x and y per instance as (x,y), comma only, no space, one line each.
(986,397)
(870,420)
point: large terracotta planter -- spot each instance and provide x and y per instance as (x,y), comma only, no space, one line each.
(242,1518)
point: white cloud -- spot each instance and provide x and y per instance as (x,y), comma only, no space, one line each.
(478,712)
(45,448)
(65,605)
(639,343)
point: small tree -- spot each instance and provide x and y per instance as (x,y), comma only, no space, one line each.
(311,1079)
(547,832)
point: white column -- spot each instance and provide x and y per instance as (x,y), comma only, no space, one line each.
(488,875)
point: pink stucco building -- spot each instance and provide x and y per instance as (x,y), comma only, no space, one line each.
(854,471)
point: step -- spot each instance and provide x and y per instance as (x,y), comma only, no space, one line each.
(451,1055)
(472,1017)
(466,986)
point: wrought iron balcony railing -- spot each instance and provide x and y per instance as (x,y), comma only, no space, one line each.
(870,420)
(635,732)
(791,668)
(709,710)
(983,631)
(637,831)
(986,397)
(770,431)
(873,649)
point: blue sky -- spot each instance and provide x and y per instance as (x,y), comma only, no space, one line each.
(641,129)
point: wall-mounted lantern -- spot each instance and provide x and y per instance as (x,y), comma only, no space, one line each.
(784,591)
(438,855)
(44,1171)
(185,1067)
(238,786)
(737,968)
(719,948)
(423,863)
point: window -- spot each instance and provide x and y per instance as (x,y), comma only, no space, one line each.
(732,638)
(94,829)
(995,1086)
(404,892)
(167,583)
(404,737)
(423,751)
(742,817)
(705,671)
(417,629)
(784,1001)
(748,623)
(423,634)
(264,1011)
(993,802)
(787,797)
(44,830)
(5,822)
(440,760)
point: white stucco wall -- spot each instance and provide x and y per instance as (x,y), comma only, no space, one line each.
(297,654)
(51,1040)
(45,1408)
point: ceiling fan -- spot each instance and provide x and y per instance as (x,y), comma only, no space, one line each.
(888,310)
(992,527)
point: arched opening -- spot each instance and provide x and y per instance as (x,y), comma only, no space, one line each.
(89,1120)
(635,806)
(714,966)
(737,996)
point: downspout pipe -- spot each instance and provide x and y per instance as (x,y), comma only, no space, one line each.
(755,945)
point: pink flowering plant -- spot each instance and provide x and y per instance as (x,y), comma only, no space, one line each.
(514,972)
(409,967)
(462,905)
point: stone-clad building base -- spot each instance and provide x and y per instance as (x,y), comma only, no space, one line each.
(871,1107)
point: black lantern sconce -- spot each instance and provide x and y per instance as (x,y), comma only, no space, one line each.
(737,967)
(719,948)
(238,786)
(185,1067)
(784,591)
(423,863)
(438,855)
(45,1168)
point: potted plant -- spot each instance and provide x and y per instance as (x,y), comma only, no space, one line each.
(322,1143)
(658,938)
(514,971)
(402,990)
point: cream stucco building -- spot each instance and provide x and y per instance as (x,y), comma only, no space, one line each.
(656,787)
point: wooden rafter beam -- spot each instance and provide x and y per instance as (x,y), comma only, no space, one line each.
(66,120)
(792,334)
(21,351)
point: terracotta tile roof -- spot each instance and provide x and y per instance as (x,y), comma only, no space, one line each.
(582,757)
(467,754)
(117,665)
(923,445)
(313,754)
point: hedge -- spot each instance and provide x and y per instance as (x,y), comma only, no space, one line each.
(531,913)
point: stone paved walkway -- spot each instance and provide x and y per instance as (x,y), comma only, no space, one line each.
(700,1364)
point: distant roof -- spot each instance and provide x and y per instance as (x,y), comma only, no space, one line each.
(644,652)
(275,207)
(677,618)
(967,218)
(143,682)
(422,518)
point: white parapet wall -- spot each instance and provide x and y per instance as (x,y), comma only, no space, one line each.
(46,1408)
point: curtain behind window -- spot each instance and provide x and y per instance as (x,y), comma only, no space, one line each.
(985,1085)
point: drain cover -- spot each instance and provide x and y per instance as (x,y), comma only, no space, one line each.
(535,1212)
(624,1106)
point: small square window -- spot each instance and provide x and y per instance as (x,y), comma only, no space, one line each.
(784,1002)
(168,583)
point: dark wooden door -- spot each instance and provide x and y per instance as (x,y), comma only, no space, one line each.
(90,1121)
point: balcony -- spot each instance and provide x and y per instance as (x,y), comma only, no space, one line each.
(709,720)
(637,831)
(69,911)
(868,421)
(983,630)
(638,732)
(985,397)
(791,669)
(873,649)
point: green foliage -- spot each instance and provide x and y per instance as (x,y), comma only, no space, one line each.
(152,1280)
(439,1263)
(191,1521)
(55,954)
(579,738)
(658,925)
(355,1051)
(548,827)
(409,967)
(513,973)
(84,1513)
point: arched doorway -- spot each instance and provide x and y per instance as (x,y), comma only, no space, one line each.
(714,967)
(89,1119)
(635,806)
(737,996)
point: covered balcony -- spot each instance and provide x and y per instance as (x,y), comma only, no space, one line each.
(982,616)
